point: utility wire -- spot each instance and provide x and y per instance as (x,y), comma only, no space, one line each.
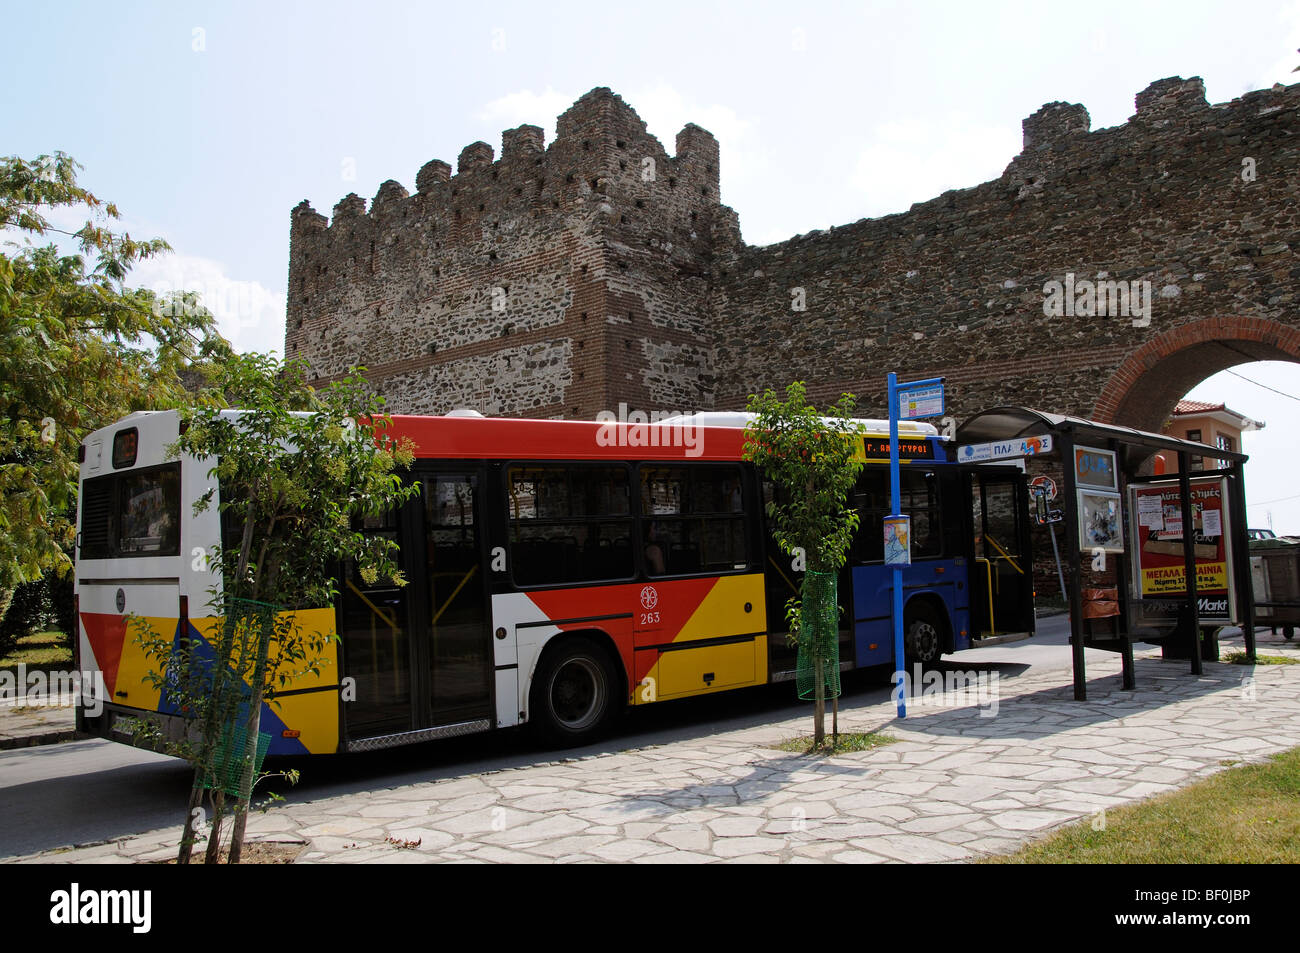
(1265,386)
(1282,499)
(1252,357)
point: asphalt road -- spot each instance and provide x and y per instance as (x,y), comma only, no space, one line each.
(89,791)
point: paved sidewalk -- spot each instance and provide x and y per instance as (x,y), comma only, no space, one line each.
(23,726)
(962,782)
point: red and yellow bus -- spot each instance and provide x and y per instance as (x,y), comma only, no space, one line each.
(557,573)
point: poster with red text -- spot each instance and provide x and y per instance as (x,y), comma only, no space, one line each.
(1158,565)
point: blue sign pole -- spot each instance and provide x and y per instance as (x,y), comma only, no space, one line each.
(924,399)
(895,508)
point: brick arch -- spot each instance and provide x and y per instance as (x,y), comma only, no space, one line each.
(1144,389)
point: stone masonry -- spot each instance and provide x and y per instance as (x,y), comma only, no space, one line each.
(550,282)
(562,280)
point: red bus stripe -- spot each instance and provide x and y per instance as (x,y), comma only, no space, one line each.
(495,438)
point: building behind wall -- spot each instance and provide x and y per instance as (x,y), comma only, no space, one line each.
(1212,424)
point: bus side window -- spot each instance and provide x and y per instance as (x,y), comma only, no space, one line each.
(693,519)
(569,524)
(871,499)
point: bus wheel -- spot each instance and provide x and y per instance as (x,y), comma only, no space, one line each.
(1288,632)
(572,694)
(921,640)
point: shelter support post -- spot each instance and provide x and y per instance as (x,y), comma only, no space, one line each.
(1126,650)
(1241,556)
(1124,628)
(1193,615)
(1072,557)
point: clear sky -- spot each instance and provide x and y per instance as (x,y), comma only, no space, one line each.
(208,122)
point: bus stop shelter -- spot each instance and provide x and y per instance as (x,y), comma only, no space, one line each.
(1108,475)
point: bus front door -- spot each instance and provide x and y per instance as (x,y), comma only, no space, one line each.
(1001,576)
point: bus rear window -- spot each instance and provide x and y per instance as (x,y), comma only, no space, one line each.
(150,508)
(132,514)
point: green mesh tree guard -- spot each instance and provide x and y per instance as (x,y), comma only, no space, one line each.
(228,759)
(249,617)
(246,623)
(819,635)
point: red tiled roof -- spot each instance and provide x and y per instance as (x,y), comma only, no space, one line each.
(1196,407)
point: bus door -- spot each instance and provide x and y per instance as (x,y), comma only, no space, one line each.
(418,653)
(455,652)
(783,580)
(1002,574)
(374,625)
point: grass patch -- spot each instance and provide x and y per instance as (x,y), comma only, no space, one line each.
(40,650)
(1239,658)
(847,741)
(1245,815)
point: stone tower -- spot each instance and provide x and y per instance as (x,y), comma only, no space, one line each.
(554,281)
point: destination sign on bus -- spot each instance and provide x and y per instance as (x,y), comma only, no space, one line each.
(877,448)
(125,444)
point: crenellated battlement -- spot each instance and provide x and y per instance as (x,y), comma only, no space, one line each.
(1171,98)
(1060,135)
(450,262)
(601,151)
(1053,124)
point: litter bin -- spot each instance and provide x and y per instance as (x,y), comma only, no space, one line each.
(1275,573)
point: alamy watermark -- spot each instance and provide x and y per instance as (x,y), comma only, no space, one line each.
(935,689)
(657,428)
(76,905)
(41,689)
(1104,297)
(243,303)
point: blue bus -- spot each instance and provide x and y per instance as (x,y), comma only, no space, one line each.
(970,582)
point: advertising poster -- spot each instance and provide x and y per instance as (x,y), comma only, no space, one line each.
(1100,525)
(1094,469)
(1157,532)
(898,540)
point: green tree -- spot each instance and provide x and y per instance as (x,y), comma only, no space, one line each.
(81,350)
(814,463)
(297,469)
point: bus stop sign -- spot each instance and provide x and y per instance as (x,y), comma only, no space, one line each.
(917,401)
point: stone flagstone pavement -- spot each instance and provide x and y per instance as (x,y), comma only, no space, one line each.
(962,782)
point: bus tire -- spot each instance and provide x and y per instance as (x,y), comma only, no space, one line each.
(922,637)
(574,694)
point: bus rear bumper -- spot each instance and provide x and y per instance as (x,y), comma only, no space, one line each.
(119,723)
